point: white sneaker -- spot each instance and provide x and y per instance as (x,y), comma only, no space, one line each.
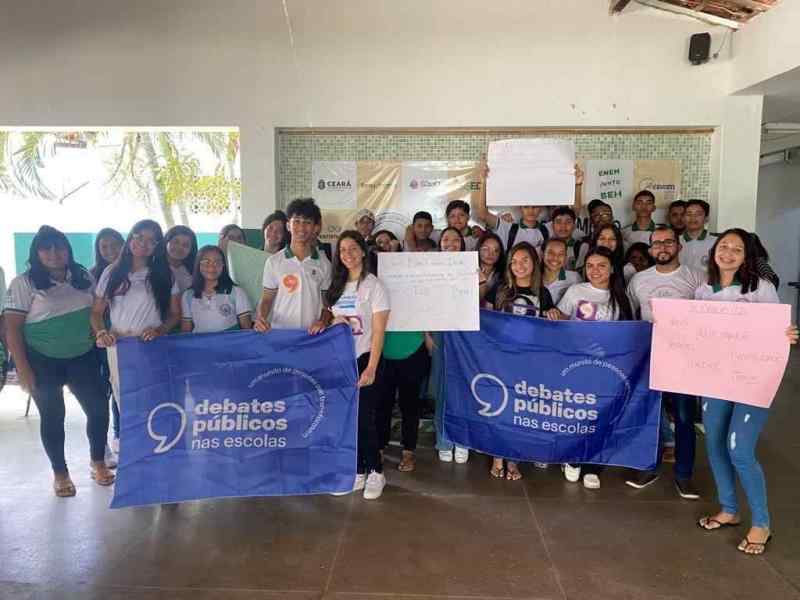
(115,445)
(374,487)
(111,458)
(571,473)
(446,455)
(358,484)
(591,481)
(462,455)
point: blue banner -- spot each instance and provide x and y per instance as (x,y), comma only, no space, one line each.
(236,414)
(529,389)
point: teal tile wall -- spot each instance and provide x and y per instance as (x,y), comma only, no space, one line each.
(297,151)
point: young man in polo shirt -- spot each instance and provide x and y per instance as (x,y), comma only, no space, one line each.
(295,278)
(526,229)
(563,224)
(644,205)
(669,279)
(696,241)
(676,217)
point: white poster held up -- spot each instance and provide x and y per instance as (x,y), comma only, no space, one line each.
(334,184)
(612,182)
(531,172)
(431,291)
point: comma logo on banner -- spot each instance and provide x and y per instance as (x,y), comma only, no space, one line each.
(487,407)
(163,444)
(321,184)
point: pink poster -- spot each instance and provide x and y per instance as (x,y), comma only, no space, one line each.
(731,350)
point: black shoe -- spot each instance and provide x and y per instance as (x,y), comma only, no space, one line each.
(642,479)
(686,489)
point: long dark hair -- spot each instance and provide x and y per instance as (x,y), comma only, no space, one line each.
(617,298)
(224,281)
(509,289)
(177,230)
(50,237)
(101,263)
(500,265)
(340,273)
(618,256)
(748,271)
(460,235)
(159,278)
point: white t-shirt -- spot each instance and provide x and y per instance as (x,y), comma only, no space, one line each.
(299,287)
(219,312)
(694,253)
(532,235)
(135,310)
(650,283)
(585,302)
(182,277)
(765,293)
(565,280)
(632,234)
(359,300)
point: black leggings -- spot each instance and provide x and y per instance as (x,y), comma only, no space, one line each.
(369,398)
(82,375)
(406,376)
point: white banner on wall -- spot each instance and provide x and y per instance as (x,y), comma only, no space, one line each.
(430,185)
(531,172)
(334,184)
(431,291)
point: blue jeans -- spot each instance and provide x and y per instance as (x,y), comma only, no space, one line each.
(684,410)
(665,435)
(732,432)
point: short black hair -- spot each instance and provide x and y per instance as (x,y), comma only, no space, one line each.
(595,204)
(454,204)
(278,215)
(560,211)
(676,204)
(662,228)
(306,208)
(647,193)
(423,214)
(701,203)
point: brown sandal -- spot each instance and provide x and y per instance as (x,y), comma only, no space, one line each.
(104,480)
(498,472)
(64,488)
(513,473)
(408,463)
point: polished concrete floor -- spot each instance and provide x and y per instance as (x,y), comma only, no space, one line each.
(445,531)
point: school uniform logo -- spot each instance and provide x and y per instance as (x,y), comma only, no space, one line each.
(226,310)
(291,283)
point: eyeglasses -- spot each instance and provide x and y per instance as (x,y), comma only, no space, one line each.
(210,262)
(663,243)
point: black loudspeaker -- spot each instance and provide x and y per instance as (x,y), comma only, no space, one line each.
(699,48)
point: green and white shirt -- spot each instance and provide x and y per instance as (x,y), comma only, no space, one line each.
(632,234)
(560,284)
(219,312)
(694,252)
(57,320)
(733,293)
(299,286)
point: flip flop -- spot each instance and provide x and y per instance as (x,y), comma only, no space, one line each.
(497,472)
(747,542)
(720,524)
(513,474)
(104,481)
(64,488)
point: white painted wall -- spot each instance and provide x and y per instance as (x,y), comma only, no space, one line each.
(767,46)
(356,63)
(779,221)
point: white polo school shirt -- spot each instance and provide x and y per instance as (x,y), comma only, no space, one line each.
(694,252)
(299,286)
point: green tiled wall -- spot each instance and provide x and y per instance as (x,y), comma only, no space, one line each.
(296,151)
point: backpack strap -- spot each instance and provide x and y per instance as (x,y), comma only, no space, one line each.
(512,235)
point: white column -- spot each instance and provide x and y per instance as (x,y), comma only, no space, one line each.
(740,146)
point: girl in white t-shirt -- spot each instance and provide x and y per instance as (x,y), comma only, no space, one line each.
(555,276)
(139,292)
(181,245)
(358,298)
(733,429)
(213,302)
(601,298)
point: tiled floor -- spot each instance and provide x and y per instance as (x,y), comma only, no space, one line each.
(445,531)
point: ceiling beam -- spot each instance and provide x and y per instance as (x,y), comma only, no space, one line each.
(714,20)
(617,6)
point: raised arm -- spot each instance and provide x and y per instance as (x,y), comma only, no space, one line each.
(481,211)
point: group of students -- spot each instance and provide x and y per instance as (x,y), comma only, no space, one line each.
(61,321)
